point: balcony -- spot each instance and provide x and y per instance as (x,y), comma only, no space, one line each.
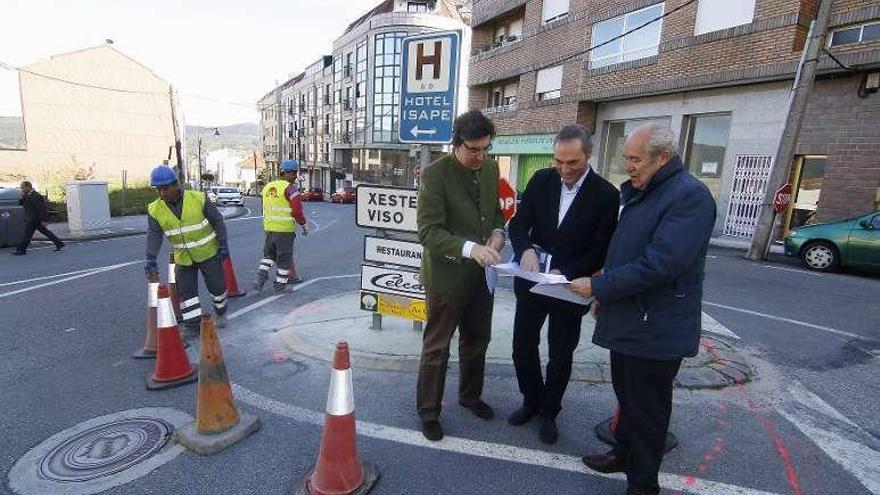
(499,42)
(346,71)
(346,104)
(510,107)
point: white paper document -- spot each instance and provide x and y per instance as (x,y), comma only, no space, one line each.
(561,291)
(513,269)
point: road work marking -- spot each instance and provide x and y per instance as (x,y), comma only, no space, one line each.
(94,271)
(786,320)
(476,448)
(263,302)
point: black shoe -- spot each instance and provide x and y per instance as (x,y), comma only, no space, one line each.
(521,416)
(548,433)
(480,409)
(641,491)
(18,253)
(59,247)
(432,430)
(608,462)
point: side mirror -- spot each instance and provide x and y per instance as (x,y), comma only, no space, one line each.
(866,224)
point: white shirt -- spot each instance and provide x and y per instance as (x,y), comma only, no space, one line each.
(566,196)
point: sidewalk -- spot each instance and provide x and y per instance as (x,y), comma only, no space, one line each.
(741,244)
(121,226)
(314,328)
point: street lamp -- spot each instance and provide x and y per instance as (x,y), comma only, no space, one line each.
(216,133)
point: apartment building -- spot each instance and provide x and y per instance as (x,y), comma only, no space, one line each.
(717,71)
(270,129)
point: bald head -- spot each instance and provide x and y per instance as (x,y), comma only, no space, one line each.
(647,149)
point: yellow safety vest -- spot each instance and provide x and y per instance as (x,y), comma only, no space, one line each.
(191,235)
(277,214)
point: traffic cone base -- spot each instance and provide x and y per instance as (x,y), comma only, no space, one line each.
(153,384)
(371,476)
(604,433)
(144,354)
(206,444)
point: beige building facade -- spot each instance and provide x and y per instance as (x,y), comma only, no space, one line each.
(92,113)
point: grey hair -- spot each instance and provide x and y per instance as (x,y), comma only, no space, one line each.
(575,131)
(660,138)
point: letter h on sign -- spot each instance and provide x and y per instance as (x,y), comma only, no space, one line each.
(433,60)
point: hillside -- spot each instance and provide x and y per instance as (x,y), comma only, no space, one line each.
(241,137)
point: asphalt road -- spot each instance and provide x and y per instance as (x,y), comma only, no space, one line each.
(806,425)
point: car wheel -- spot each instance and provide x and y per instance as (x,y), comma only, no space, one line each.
(820,256)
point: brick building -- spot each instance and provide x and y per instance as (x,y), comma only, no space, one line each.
(717,71)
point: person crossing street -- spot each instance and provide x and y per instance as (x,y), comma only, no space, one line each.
(35,216)
(282,210)
(196,231)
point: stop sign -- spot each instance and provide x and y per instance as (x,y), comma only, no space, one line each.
(782,198)
(507,199)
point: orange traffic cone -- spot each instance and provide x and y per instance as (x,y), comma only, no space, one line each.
(339,471)
(172,285)
(148,351)
(172,364)
(218,423)
(232,289)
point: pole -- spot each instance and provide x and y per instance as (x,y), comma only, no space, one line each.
(124,187)
(201,186)
(424,156)
(784,154)
(181,171)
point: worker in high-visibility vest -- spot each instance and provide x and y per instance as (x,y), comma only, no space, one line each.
(197,233)
(282,210)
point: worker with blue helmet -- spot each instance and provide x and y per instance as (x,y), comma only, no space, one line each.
(197,232)
(282,211)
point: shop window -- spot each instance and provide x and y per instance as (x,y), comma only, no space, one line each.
(715,15)
(612,150)
(705,146)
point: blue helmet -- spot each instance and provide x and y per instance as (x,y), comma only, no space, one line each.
(162,176)
(289,165)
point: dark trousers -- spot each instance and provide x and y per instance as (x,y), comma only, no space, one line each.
(563,335)
(29,229)
(278,251)
(473,317)
(187,279)
(644,393)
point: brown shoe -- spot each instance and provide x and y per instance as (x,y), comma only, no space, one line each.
(480,409)
(608,462)
(432,430)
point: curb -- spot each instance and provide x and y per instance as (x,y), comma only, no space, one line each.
(239,211)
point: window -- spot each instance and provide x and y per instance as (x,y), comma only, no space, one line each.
(549,84)
(612,149)
(386,86)
(705,147)
(360,102)
(856,34)
(553,9)
(875,222)
(638,44)
(714,15)
(507,32)
(417,6)
(503,95)
(807,176)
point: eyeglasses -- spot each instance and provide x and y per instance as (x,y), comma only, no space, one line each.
(476,151)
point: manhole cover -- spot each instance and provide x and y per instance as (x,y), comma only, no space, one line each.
(106,449)
(99,453)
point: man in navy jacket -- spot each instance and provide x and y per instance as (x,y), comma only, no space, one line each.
(649,298)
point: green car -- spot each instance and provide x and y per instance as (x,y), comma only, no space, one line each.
(854,242)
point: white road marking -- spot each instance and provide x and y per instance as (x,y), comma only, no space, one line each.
(803,396)
(712,325)
(786,320)
(476,448)
(263,302)
(795,270)
(860,460)
(74,277)
(47,277)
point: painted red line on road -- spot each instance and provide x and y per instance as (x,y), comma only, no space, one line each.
(790,472)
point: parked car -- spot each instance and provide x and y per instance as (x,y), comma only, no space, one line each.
(222,196)
(312,194)
(854,242)
(344,195)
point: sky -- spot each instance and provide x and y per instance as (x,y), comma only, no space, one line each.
(221,56)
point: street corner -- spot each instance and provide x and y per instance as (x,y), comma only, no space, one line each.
(314,328)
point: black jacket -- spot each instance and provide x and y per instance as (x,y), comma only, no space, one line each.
(580,242)
(34,207)
(651,289)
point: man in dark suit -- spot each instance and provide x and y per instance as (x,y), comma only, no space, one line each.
(35,217)
(461,228)
(568,214)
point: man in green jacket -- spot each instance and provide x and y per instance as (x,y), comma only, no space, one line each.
(461,228)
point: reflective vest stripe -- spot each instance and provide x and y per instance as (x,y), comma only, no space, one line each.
(193,244)
(188,228)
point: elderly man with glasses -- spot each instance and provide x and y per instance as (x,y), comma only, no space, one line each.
(461,228)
